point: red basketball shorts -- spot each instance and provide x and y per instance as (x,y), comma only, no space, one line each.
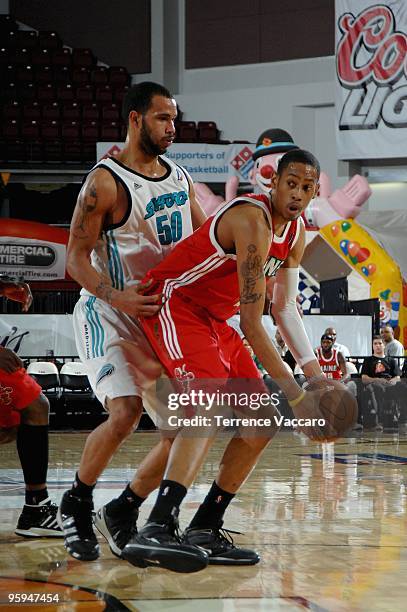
(191,345)
(17,391)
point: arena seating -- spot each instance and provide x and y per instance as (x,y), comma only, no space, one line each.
(45,87)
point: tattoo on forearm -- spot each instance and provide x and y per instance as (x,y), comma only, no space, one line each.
(104,292)
(251,270)
(86,205)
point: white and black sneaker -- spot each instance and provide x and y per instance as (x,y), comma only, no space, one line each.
(117,529)
(75,518)
(160,545)
(39,521)
(219,545)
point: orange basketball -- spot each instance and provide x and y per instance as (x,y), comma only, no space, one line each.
(339,408)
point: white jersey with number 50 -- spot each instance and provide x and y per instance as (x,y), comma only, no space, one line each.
(157,218)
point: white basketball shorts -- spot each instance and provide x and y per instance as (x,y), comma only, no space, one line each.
(118,358)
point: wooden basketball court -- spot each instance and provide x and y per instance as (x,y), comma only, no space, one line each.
(329,522)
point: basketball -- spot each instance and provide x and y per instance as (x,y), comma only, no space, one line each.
(339,408)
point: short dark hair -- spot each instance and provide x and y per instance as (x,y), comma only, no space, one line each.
(377,337)
(301,156)
(138,97)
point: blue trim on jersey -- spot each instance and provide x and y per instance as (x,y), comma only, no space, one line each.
(115,265)
(110,261)
(120,274)
(97,331)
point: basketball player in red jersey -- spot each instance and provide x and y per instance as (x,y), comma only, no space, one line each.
(332,362)
(24,417)
(203,280)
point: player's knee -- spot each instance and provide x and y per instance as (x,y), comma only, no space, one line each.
(124,418)
(37,413)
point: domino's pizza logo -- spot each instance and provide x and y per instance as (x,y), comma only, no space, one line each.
(243,162)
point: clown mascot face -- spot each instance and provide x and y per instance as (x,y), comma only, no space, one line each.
(325,208)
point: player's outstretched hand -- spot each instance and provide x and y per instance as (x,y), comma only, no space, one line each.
(9,361)
(133,302)
(18,291)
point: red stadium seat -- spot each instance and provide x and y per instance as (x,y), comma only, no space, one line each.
(84,93)
(70,131)
(83,57)
(61,57)
(72,151)
(186,131)
(51,112)
(50,130)
(49,39)
(12,110)
(110,112)
(53,151)
(90,112)
(25,74)
(118,94)
(21,57)
(11,129)
(110,132)
(62,75)
(41,57)
(26,38)
(46,93)
(28,91)
(71,111)
(207,131)
(32,111)
(99,76)
(30,130)
(80,76)
(43,74)
(65,93)
(104,94)
(90,131)
(118,76)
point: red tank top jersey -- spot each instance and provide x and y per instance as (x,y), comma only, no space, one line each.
(200,270)
(330,366)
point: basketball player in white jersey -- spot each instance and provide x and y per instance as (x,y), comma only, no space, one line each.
(131,211)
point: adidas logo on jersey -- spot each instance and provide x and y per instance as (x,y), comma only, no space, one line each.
(136,186)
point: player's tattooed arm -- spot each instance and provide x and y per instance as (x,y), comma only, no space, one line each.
(251,271)
(96,201)
(104,291)
(86,205)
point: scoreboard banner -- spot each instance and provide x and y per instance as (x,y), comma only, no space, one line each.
(206,163)
(371,79)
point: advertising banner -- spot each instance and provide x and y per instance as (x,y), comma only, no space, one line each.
(371,79)
(35,335)
(206,163)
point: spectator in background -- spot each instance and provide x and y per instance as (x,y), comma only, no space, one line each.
(380,374)
(330,359)
(341,348)
(392,347)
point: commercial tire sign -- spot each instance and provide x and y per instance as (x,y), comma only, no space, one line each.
(35,251)
(31,259)
(371,79)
